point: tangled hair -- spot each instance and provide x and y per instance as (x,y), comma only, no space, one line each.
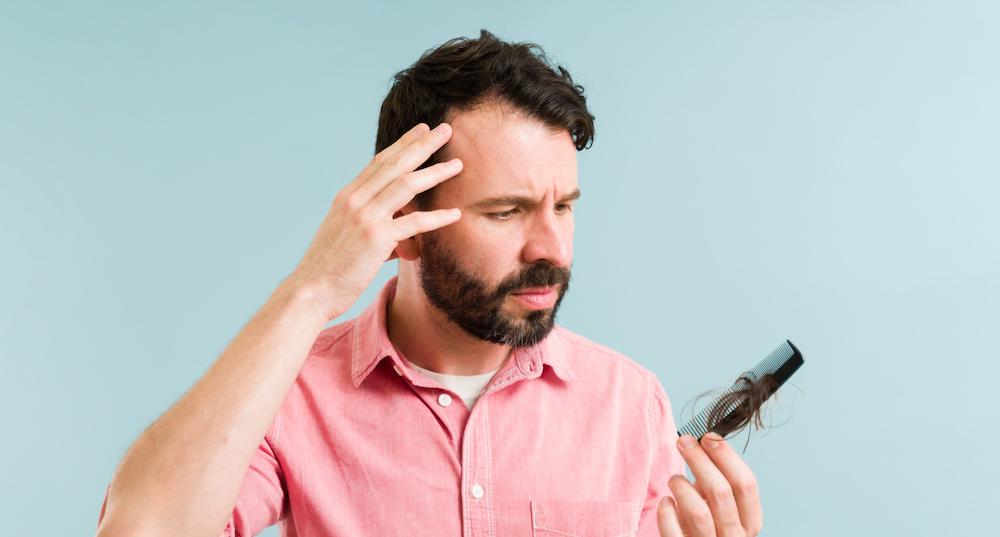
(464,73)
(740,406)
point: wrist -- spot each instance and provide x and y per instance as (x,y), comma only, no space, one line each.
(314,297)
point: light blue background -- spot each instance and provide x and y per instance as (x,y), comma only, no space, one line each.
(825,172)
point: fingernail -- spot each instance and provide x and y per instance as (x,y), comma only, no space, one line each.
(687,441)
(712,439)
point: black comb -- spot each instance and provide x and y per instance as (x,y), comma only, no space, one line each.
(779,365)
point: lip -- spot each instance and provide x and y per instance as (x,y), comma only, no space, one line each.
(536,298)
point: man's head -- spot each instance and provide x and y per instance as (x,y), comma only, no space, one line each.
(516,125)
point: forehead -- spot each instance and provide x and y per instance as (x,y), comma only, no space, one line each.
(504,151)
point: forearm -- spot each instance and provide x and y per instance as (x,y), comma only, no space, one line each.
(183,474)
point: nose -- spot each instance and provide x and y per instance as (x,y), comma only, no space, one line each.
(550,238)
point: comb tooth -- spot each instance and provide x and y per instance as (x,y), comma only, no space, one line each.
(774,360)
(702,421)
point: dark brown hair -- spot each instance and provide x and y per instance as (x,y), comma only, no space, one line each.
(740,406)
(735,410)
(464,73)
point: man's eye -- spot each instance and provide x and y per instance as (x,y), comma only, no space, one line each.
(503,215)
(564,207)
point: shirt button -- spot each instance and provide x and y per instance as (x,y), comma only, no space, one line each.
(477,491)
(444,399)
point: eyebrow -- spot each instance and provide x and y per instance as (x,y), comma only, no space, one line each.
(503,201)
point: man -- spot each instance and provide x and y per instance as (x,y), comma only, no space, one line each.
(453,405)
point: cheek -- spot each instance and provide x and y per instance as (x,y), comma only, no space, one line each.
(483,234)
(493,260)
(492,253)
(568,237)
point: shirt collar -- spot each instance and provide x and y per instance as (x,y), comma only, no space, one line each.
(370,344)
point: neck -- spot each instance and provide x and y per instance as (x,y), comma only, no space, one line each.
(428,339)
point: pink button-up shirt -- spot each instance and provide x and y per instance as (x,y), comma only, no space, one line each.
(570,438)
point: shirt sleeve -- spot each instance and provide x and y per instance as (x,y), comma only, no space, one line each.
(666,459)
(263,497)
(262,500)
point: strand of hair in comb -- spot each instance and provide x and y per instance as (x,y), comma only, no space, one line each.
(737,405)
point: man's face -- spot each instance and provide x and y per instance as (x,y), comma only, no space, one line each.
(516,192)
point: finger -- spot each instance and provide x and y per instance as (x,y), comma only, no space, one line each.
(388,153)
(714,486)
(422,222)
(740,478)
(406,160)
(400,192)
(666,519)
(695,516)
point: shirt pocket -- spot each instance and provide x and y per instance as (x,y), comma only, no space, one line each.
(583,518)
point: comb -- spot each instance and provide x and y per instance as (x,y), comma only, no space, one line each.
(780,365)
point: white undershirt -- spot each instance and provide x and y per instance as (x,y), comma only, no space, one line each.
(468,387)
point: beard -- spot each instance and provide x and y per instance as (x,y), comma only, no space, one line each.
(477,308)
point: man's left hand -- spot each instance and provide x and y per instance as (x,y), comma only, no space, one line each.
(723,501)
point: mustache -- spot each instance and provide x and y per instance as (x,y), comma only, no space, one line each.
(538,275)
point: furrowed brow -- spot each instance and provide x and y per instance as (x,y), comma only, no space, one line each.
(506,201)
(571,196)
(502,201)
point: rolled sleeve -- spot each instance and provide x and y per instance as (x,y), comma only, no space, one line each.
(262,500)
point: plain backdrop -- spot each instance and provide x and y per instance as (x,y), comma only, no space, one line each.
(825,172)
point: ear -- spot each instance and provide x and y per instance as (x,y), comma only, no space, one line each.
(408,249)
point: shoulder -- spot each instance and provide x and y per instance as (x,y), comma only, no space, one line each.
(323,377)
(332,335)
(594,358)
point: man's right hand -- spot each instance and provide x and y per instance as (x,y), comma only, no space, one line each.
(360,232)
(161,486)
